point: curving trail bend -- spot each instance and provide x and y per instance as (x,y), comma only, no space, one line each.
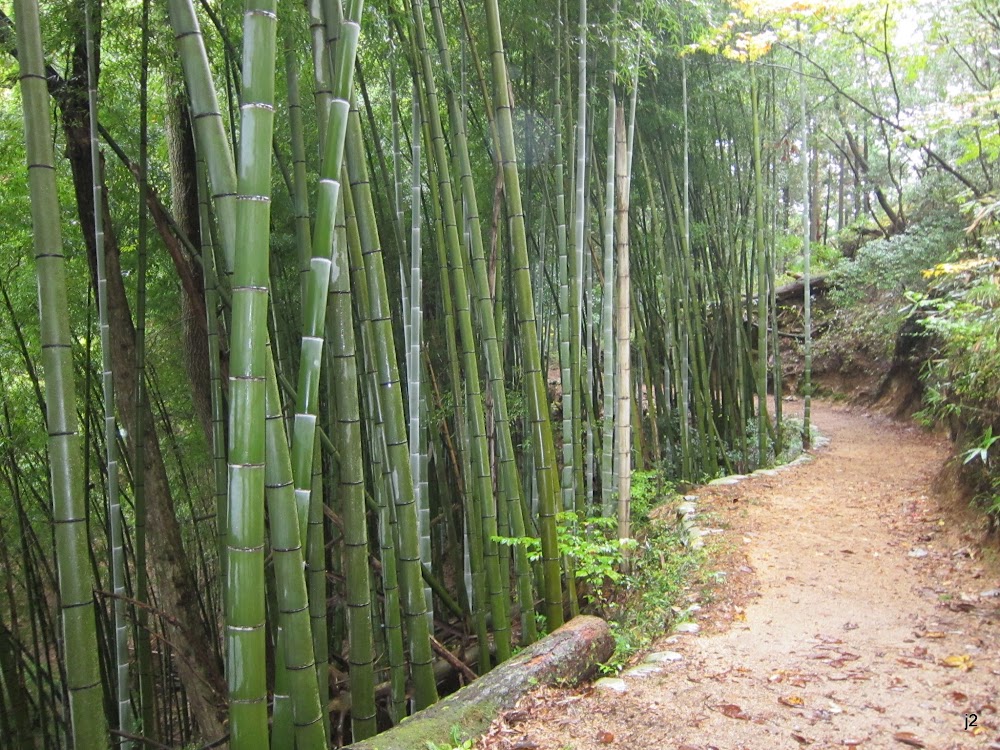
(858,610)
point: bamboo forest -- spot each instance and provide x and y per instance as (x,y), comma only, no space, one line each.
(347,348)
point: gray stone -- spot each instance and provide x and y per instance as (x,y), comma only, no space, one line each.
(615,684)
(642,670)
(733,479)
(687,627)
(662,657)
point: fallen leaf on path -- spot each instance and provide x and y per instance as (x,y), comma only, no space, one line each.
(792,701)
(732,711)
(606,738)
(958,661)
(959,697)
(908,738)
(802,740)
(931,634)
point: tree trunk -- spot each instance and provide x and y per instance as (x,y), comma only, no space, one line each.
(184,206)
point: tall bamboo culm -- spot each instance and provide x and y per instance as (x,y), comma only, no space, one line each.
(69,513)
(122,659)
(543,446)
(244,595)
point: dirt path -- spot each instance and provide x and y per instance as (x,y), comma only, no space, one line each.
(857,613)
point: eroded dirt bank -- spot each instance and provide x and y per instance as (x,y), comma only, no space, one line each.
(857,612)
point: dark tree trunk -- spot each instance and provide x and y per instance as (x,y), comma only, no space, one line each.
(184,206)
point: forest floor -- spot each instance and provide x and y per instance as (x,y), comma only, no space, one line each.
(857,609)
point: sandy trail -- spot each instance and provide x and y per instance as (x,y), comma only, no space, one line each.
(857,612)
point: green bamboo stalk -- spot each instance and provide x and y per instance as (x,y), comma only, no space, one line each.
(537,398)
(392,618)
(318,278)
(300,193)
(473,559)
(623,378)
(482,474)
(209,125)
(121,682)
(244,595)
(87,720)
(407,542)
(151,718)
(608,484)
(219,461)
(351,479)
(576,264)
(763,422)
(322,86)
(414,360)
(295,633)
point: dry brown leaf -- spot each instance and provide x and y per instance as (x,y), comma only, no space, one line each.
(958,661)
(606,738)
(932,634)
(908,738)
(801,739)
(792,701)
(732,711)
(959,697)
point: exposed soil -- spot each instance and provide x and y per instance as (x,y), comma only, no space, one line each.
(858,610)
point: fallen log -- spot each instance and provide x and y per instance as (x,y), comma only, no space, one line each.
(572,653)
(794,291)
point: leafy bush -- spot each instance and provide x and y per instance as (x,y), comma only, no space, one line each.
(867,293)
(896,263)
(961,315)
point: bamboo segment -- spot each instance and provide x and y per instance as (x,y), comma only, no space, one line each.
(537,397)
(392,617)
(623,413)
(391,399)
(414,362)
(297,662)
(210,132)
(69,512)
(121,682)
(510,480)
(482,474)
(608,484)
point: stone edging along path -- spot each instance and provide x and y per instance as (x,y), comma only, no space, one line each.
(692,535)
